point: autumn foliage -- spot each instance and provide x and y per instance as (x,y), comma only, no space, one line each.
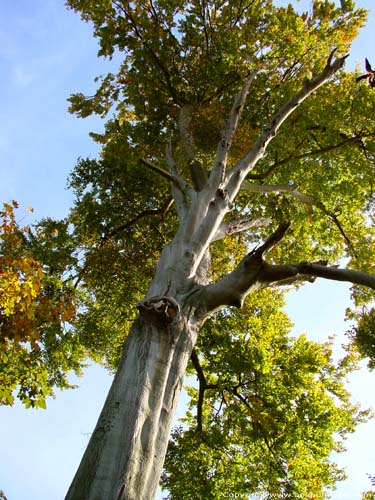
(29,309)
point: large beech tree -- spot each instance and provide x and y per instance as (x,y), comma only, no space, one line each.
(239,158)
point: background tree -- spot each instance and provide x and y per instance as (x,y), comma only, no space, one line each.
(370,494)
(37,350)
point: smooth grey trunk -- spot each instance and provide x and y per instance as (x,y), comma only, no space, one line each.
(126,451)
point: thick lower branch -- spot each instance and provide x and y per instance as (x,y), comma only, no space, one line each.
(287,274)
(337,274)
(254,273)
(233,288)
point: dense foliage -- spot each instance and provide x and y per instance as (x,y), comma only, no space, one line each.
(193,57)
(37,349)
(271,408)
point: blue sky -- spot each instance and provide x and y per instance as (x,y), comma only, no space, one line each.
(46,53)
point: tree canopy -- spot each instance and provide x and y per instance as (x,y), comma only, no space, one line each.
(180,64)
(268,409)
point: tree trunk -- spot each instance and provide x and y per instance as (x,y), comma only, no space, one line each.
(125,455)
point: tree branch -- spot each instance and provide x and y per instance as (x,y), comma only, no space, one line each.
(202,387)
(198,175)
(228,133)
(238,225)
(187,139)
(337,274)
(302,156)
(174,177)
(248,162)
(197,172)
(179,188)
(232,289)
(158,170)
(278,274)
(156,211)
(271,241)
(123,227)
(304,198)
(254,273)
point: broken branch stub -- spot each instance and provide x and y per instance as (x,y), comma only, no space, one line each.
(160,310)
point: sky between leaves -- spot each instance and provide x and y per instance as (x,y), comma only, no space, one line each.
(46,53)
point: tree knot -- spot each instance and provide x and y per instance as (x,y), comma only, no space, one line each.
(160,309)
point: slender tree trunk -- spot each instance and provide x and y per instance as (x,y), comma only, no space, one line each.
(125,455)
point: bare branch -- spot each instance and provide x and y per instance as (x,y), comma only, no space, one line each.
(158,170)
(271,241)
(285,274)
(238,225)
(228,133)
(279,274)
(254,273)
(337,274)
(248,162)
(213,201)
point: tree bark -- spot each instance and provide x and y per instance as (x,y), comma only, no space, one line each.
(125,455)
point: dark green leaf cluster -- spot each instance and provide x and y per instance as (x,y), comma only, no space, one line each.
(121,219)
(363,336)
